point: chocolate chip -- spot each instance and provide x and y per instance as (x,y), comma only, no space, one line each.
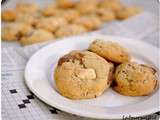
(129,80)
(65,58)
(71,57)
(114,83)
(154,70)
(19,36)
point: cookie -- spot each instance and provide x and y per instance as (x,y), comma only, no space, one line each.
(111,73)
(110,50)
(8,15)
(127,12)
(114,5)
(26,8)
(66,3)
(81,75)
(87,6)
(36,36)
(14,31)
(51,10)
(70,15)
(51,24)
(106,14)
(71,29)
(133,79)
(91,22)
(28,18)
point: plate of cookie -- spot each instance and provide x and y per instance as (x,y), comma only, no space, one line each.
(97,76)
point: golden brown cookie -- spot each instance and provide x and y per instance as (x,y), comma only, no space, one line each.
(87,6)
(110,50)
(91,22)
(51,10)
(127,12)
(82,75)
(114,5)
(111,73)
(134,79)
(26,8)
(14,31)
(51,24)
(71,29)
(36,36)
(28,18)
(105,14)
(70,15)
(8,15)
(66,3)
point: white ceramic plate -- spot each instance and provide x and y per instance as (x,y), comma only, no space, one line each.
(40,69)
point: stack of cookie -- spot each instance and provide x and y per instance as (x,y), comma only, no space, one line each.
(29,24)
(87,74)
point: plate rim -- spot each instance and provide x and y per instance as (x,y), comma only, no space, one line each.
(73,111)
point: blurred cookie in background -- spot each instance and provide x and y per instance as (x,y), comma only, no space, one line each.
(91,22)
(66,3)
(36,36)
(114,5)
(86,6)
(71,29)
(14,31)
(127,12)
(51,24)
(8,15)
(106,14)
(27,8)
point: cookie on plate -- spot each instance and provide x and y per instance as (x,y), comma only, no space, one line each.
(51,24)
(82,75)
(8,15)
(133,79)
(91,22)
(111,73)
(36,36)
(14,31)
(110,50)
(127,12)
(26,8)
(71,29)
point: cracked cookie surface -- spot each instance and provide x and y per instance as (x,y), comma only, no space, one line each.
(82,75)
(110,51)
(134,79)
